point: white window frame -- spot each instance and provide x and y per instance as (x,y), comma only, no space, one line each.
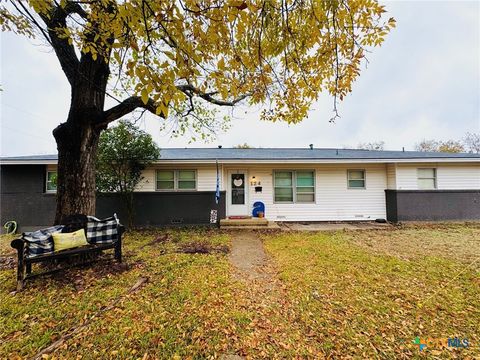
(47,190)
(434,178)
(175,180)
(364,180)
(294,186)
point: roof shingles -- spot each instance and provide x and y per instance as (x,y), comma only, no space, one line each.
(277,154)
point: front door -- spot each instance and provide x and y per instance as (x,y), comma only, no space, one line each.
(237,196)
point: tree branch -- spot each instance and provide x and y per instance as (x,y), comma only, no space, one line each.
(191,90)
(135,102)
(126,107)
(64,51)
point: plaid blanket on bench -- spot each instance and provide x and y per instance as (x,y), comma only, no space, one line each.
(40,242)
(98,231)
(103,231)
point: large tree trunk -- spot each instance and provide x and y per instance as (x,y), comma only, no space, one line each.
(77,141)
(77,147)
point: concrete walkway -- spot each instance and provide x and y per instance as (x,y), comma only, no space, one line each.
(252,266)
(247,254)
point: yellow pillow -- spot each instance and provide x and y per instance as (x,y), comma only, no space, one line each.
(63,241)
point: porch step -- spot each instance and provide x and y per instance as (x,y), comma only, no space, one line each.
(272,225)
(260,222)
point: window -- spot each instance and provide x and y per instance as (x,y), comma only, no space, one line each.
(186,180)
(238,189)
(356,179)
(305,186)
(427,179)
(176,180)
(294,186)
(283,186)
(165,179)
(51,181)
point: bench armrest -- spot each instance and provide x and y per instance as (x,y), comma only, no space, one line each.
(18,244)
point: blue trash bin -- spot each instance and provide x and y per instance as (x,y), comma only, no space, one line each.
(258,206)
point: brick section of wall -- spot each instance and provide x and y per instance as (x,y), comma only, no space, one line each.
(432,205)
(23,199)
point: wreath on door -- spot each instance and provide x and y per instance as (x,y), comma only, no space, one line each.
(238,182)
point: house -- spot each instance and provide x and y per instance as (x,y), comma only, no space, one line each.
(293,184)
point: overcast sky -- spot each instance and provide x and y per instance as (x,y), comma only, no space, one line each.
(424,82)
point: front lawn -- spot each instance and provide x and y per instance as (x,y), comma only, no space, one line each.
(167,317)
(371,293)
(364,294)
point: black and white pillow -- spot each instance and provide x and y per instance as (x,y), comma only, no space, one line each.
(40,242)
(103,231)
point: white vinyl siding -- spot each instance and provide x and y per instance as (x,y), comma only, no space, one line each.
(448,176)
(453,177)
(391,176)
(333,200)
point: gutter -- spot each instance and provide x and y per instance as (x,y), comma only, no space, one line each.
(274,161)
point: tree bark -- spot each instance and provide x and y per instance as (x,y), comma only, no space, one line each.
(77,146)
(77,140)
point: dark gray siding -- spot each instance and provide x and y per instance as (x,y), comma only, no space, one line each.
(432,205)
(391,203)
(23,199)
(164,208)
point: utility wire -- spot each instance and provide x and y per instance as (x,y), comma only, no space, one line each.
(26,133)
(24,111)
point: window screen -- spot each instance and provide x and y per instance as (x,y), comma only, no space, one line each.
(356,179)
(427,179)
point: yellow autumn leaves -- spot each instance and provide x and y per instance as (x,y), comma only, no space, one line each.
(280,52)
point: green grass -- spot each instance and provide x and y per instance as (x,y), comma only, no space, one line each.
(5,241)
(363,301)
(362,294)
(165,318)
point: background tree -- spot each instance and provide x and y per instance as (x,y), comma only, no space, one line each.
(427,145)
(123,152)
(375,145)
(450,146)
(243,146)
(471,142)
(172,57)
